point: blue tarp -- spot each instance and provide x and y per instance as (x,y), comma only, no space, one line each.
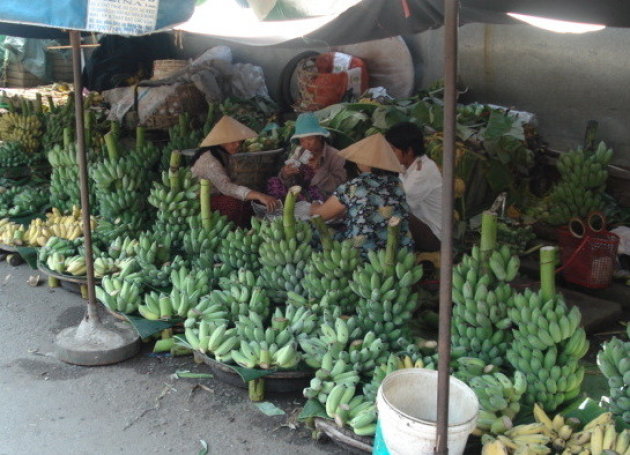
(119,17)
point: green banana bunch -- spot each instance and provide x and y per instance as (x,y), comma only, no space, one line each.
(299,319)
(122,247)
(55,121)
(499,398)
(12,155)
(481,299)
(24,128)
(190,281)
(181,137)
(238,300)
(175,207)
(208,309)
(386,300)
(201,245)
(548,344)
(583,176)
(105,266)
(614,362)
(177,304)
(467,368)
(515,236)
(23,200)
(61,246)
(239,249)
(56,262)
(155,260)
(333,371)
(329,272)
(119,295)
(264,348)
(284,254)
(213,338)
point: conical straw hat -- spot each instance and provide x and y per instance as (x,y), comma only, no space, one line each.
(373,151)
(227,130)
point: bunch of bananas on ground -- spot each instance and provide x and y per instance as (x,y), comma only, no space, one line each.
(384,287)
(559,435)
(22,200)
(517,237)
(64,180)
(181,137)
(264,348)
(13,155)
(213,338)
(239,248)
(177,304)
(393,363)
(614,363)
(330,271)
(64,247)
(334,336)
(582,183)
(334,371)
(285,251)
(119,295)
(23,128)
(201,244)
(122,247)
(480,320)
(499,400)
(175,205)
(191,280)
(73,265)
(548,344)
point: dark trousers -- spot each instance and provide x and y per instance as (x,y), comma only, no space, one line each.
(423,237)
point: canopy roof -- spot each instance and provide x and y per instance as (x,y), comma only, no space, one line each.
(337,22)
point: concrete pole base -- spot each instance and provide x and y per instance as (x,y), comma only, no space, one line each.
(92,344)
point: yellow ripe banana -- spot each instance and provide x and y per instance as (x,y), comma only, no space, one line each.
(602,419)
(541,416)
(597,440)
(407,362)
(495,447)
(530,428)
(557,422)
(610,436)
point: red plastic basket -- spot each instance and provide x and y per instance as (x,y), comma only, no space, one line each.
(588,261)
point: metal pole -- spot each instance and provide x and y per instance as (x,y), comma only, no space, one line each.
(75,41)
(451,22)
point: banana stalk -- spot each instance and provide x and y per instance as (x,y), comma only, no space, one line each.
(112,146)
(324,232)
(256,389)
(391,250)
(488,237)
(176,159)
(204,195)
(547,272)
(140,131)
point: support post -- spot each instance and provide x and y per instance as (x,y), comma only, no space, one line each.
(451,23)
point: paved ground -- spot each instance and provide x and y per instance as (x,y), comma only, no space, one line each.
(135,407)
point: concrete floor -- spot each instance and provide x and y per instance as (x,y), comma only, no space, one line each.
(135,407)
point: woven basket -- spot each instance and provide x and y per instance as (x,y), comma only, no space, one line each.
(187,98)
(165,68)
(252,169)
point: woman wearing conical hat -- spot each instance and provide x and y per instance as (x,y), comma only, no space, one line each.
(228,135)
(366,203)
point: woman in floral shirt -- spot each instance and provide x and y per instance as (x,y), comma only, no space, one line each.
(371,199)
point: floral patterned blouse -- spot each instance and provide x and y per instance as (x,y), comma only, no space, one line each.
(371,200)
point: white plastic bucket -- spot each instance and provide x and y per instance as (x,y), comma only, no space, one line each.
(407,412)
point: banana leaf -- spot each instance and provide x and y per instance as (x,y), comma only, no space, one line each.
(313,408)
(503,124)
(146,328)
(269,409)
(340,140)
(384,117)
(29,254)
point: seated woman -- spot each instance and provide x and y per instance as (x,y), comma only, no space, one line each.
(315,165)
(227,135)
(422,182)
(371,199)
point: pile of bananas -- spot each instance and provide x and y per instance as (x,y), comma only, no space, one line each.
(386,301)
(330,271)
(333,372)
(499,400)
(264,348)
(240,295)
(73,265)
(582,183)
(190,281)
(23,128)
(559,435)
(12,155)
(266,140)
(283,256)
(22,200)
(213,338)
(122,247)
(394,362)
(239,248)
(480,320)
(466,368)
(39,231)
(300,320)
(119,295)
(175,205)
(201,244)
(614,363)
(548,344)
(181,137)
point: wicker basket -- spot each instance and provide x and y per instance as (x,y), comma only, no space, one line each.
(18,76)
(252,169)
(162,69)
(186,98)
